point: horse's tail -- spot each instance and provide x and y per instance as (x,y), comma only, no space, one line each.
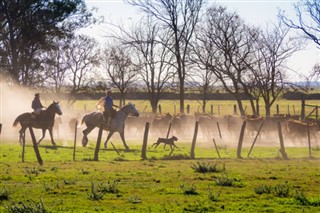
(83,119)
(16,121)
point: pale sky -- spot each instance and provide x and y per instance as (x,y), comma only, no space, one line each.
(255,12)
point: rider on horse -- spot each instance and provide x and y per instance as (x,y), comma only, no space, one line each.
(108,107)
(36,105)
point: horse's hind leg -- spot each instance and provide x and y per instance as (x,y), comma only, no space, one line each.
(108,137)
(43,135)
(123,140)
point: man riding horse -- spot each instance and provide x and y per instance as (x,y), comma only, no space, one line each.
(36,105)
(107,102)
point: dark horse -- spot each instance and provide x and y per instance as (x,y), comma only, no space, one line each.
(95,119)
(44,121)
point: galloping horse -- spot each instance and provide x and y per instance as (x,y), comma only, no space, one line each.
(95,119)
(44,121)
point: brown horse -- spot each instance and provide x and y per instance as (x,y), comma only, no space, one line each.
(44,121)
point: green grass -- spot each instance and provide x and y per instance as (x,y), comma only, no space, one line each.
(125,183)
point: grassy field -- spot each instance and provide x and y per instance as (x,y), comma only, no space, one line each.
(163,183)
(125,183)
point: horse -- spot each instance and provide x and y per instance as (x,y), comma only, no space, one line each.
(44,121)
(96,119)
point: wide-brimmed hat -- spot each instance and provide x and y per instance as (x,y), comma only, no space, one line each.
(37,94)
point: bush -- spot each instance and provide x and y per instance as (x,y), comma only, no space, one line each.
(204,168)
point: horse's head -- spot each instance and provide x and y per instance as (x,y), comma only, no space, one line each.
(55,107)
(130,109)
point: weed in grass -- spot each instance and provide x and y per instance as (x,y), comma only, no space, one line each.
(4,194)
(304,201)
(110,187)
(262,189)
(69,182)
(189,190)
(134,199)
(224,180)
(213,197)
(282,190)
(176,157)
(85,172)
(95,194)
(23,207)
(205,168)
(301,198)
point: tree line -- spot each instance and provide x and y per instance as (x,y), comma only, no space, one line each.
(174,44)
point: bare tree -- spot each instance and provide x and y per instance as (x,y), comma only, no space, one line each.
(181,18)
(81,59)
(308,19)
(226,49)
(274,48)
(120,69)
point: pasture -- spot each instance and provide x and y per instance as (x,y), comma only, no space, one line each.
(166,181)
(125,183)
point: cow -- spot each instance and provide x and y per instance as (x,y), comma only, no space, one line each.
(297,130)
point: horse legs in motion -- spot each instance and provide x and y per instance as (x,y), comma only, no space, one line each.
(44,134)
(122,138)
(85,135)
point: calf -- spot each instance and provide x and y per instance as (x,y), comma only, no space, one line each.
(169,141)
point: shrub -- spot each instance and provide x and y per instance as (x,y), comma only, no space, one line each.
(4,194)
(262,189)
(25,208)
(189,190)
(95,194)
(204,168)
(282,190)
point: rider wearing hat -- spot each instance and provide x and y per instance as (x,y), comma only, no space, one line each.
(36,105)
(108,106)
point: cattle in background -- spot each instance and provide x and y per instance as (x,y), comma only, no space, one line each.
(136,125)
(253,124)
(160,124)
(233,125)
(297,130)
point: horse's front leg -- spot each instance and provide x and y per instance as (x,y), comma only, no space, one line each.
(123,140)
(43,135)
(108,137)
(52,141)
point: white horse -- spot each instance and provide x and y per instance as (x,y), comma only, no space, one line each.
(95,119)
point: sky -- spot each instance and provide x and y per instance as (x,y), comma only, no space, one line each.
(255,12)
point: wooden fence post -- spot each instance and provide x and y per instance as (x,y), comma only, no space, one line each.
(309,142)
(255,139)
(282,149)
(218,110)
(23,146)
(278,111)
(258,109)
(215,145)
(194,140)
(159,109)
(75,141)
(188,109)
(234,109)
(219,129)
(0,128)
(35,146)
(303,112)
(96,152)
(211,109)
(243,127)
(145,141)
